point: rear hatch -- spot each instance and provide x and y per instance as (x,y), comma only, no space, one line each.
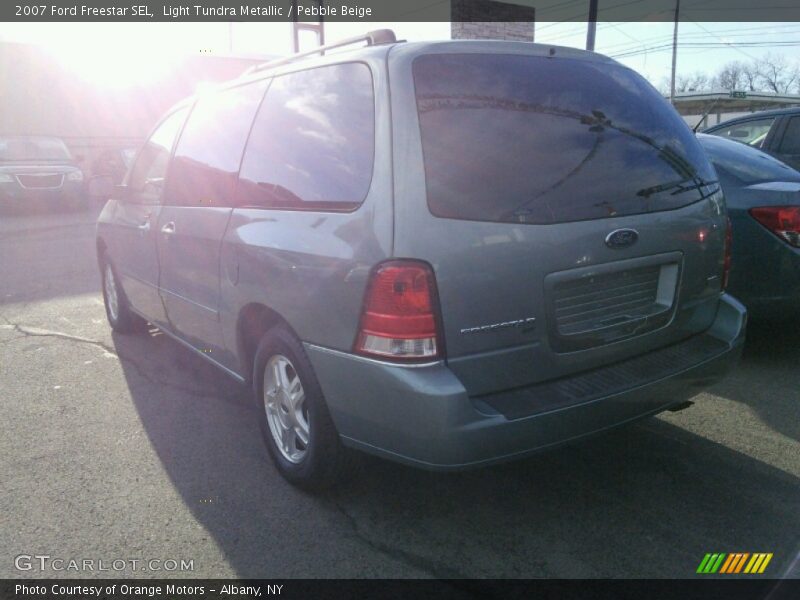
(569,214)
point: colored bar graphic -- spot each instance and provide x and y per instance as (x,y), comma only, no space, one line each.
(764,564)
(734,563)
(730,564)
(755,562)
(711,563)
(727,564)
(703,563)
(740,564)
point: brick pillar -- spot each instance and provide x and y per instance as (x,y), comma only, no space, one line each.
(490,20)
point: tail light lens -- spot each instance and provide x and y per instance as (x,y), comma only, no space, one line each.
(726,269)
(399,318)
(783,221)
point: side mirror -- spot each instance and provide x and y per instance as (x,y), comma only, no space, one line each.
(100,187)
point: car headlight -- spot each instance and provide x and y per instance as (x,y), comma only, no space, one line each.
(6,178)
(74,176)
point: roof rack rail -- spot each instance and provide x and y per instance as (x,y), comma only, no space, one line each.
(372,38)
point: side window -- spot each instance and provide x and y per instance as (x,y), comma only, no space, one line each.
(313,141)
(753,133)
(146,179)
(210,148)
(790,144)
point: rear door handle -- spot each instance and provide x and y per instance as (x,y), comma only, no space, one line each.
(144,227)
(168,228)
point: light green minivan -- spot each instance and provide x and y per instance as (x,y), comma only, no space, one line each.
(447,254)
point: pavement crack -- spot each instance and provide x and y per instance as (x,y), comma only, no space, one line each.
(432,568)
(36,332)
(143,372)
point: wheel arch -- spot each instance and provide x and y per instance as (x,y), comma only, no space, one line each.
(253,322)
(102,249)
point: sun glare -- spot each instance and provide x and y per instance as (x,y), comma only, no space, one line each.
(120,56)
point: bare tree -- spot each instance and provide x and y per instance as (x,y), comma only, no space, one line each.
(731,76)
(750,76)
(695,82)
(776,74)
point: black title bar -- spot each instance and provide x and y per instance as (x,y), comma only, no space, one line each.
(744,588)
(394,10)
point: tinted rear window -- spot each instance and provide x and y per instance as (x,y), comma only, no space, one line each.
(538,140)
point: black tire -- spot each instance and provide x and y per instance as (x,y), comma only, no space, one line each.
(125,320)
(325,461)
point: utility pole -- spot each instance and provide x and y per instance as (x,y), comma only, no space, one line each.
(591,31)
(674,53)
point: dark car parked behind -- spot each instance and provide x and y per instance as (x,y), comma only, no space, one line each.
(776,132)
(763,196)
(38,173)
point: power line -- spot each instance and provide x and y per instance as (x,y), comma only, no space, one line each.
(708,45)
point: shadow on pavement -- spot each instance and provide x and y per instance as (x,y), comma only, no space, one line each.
(768,378)
(647,500)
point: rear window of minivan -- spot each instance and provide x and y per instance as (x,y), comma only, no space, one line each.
(528,139)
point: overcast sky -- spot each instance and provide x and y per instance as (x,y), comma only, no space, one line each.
(643,46)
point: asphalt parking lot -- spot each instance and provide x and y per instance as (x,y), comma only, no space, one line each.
(129,447)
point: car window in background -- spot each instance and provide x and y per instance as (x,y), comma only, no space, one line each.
(790,144)
(753,133)
(525,139)
(32,148)
(147,176)
(313,141)
(210,148)
(748,165)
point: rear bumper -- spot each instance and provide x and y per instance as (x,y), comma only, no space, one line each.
(423,416)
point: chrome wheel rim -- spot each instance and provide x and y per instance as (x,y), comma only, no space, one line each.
(111,293)
(285,407)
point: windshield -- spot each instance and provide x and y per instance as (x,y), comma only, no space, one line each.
(530,139)
(748,165)
(32,148)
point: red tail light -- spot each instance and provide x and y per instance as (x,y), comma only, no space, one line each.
(399,319)
(726,269)
(783,221)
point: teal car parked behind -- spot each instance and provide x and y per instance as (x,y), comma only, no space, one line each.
(763,197)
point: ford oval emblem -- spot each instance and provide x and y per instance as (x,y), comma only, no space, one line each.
(622,238)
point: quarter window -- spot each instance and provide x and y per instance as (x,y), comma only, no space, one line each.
(312,142)
(209,151)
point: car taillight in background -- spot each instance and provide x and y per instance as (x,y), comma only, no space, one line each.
(783,221)
(726,268)
(399,318)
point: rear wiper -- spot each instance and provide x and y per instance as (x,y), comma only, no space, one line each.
(681,185)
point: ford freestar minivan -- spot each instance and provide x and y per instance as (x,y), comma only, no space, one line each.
(447,254)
